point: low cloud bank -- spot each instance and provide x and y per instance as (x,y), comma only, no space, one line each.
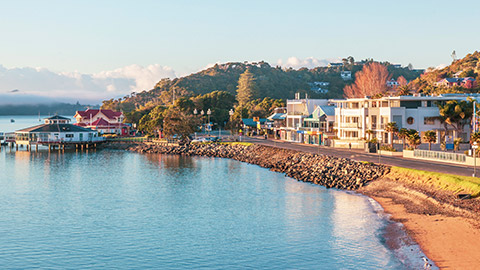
(310,62)
(26,85)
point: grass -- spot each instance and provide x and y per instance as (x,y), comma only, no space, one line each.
(442,181)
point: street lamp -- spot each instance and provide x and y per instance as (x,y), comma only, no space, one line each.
(195,112)
(209,112)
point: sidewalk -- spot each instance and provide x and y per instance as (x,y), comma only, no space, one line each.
(360,155)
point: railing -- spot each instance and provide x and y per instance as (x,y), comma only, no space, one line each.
(129,139)
(350,125)
(294,113)
(445,156)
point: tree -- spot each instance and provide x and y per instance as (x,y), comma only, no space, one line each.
(180,123)
(456,114)
(402,81)
(475,138)
(413,138)
(153,121)
(370,81)
(247,87)
(403,134)
(391,128)
(403,90)
(430,136)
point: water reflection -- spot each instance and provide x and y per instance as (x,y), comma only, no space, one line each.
(114,209)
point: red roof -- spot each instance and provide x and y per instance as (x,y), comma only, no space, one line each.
(91,113)
(103,123)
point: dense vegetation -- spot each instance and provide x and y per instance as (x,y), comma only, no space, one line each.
(251,89)
(273,82)
(469,66)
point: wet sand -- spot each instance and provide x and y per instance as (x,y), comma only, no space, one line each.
(448,235)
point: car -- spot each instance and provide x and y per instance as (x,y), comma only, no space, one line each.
(199,140)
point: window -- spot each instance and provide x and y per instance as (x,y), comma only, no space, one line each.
(69,135)
(410,120)
(429,121)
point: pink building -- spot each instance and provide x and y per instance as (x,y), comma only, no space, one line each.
(104,121)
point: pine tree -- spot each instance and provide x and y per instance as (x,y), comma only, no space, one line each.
(247,88)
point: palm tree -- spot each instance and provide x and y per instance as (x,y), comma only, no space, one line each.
(455,113)
(475,138)
(402,134)
(430,136)
(456,143)
(403,90)
(369,134)
(413,138)
(391,128)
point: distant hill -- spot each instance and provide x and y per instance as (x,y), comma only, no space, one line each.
(469,66)
(66,109)
(274,82)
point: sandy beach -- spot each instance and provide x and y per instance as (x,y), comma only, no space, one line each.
(448,235)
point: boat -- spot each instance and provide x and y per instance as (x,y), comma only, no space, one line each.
(12,120)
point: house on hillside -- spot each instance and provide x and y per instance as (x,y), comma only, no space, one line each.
(346,75)
(332,65)
(467,82)
(392,83)
(104,121)
(319,87)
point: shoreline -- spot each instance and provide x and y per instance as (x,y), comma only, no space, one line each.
(443,229)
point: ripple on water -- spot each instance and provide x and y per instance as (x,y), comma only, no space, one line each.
(112,209)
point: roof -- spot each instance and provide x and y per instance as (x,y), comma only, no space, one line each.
(277,116)
(328,110)
(103,123)
(249,121)
(91,113)
(58,117)
(55,128)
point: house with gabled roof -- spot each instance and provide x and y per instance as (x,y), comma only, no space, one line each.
(56,130)
(104,121)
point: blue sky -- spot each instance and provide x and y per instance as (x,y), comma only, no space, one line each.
(174,38)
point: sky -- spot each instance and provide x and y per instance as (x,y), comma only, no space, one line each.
(93,50)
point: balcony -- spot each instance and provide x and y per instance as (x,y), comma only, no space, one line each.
(350,125)
(294,113)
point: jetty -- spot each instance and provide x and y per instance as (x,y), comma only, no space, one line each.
(55,133)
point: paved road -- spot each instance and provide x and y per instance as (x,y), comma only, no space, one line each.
(360,155)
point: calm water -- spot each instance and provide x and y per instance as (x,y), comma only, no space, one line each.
(115,209)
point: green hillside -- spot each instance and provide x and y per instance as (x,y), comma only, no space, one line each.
(273,82)
(469,66)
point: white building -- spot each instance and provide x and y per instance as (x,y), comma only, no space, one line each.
(353,117)
(346,75)
(297,110)
(56,130)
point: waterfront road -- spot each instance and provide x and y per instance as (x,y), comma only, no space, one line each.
(360,155)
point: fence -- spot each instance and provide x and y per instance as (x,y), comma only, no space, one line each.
(128,139)
(442,156)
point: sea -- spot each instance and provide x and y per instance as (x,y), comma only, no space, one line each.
(112,209)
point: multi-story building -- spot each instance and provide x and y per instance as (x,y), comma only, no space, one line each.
(298,110)
(104,121)
(355,116)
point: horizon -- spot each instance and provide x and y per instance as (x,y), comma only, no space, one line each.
(109,49)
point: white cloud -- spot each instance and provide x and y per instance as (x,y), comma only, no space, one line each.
(310,62)
(73,86)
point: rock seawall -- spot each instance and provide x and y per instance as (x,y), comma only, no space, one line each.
(327,171)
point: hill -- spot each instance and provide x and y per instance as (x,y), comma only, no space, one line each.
(273,82)
(469,66)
